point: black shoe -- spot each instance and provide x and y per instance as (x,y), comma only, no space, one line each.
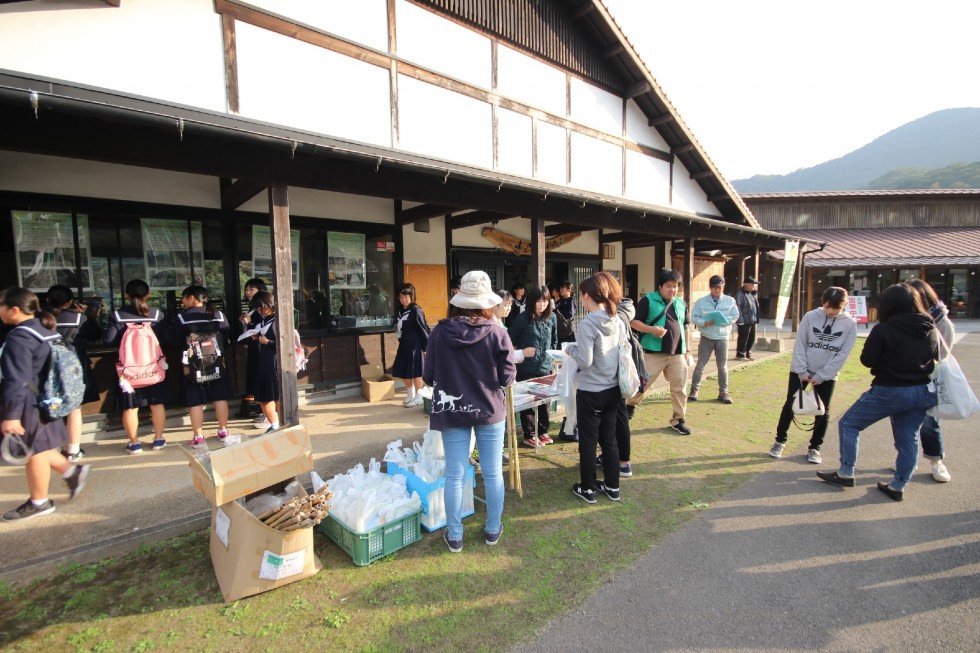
(692,397)
(587,496)
(681,428)
(73,457)
(630,411)
(27,510)
(739,356)
(611,492)
(835,479)
(894,495)
(76,482)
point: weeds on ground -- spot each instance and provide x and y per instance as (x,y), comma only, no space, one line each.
(554,552)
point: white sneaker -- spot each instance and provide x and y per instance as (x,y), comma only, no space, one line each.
(408,401)
(262,426)
(813,456)
(425,392)
(417,401)
(776,451)
(939,472)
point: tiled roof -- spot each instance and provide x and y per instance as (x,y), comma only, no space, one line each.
(839,194)
(893,247)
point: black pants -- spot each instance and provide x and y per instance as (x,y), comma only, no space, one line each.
(527,416)
(824,390)
(598,414)
(746,339)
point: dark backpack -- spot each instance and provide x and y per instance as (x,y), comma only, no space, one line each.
(205,361)
(637,354)
(566,330)
(62,386)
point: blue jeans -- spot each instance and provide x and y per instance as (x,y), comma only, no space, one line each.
(490,442)
(932,439)
(906,406)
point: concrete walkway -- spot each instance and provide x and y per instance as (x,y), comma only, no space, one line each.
(790,563)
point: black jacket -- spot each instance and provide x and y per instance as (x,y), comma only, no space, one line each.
(902,351)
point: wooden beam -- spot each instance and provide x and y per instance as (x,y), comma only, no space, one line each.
(704,174)
(689,275)
(560,229)
(612,51)
(282,273)
(537,252)
(720,197)
(584,10)
(474,218)
(235,193)
(661,120)
(682,149)
(639,88)
(231,63)
(423,212)
(114,3)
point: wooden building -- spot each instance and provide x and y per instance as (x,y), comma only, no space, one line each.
(338,147)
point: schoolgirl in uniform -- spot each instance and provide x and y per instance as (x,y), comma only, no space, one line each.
(262,349)
(76,331)
(247,320)
(25,352)
(128,402)
(195,318)
(413,338)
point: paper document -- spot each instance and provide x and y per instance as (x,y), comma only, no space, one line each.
(255,331)
(719,318)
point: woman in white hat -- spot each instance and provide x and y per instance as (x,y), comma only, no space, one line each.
(468,364)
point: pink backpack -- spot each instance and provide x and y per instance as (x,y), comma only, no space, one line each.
(141,360)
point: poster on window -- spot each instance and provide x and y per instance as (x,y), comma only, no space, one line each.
(46,250)
(262,255)
(168,252)
(345,261)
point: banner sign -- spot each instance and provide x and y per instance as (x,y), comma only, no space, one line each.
(791,253)
(857,306)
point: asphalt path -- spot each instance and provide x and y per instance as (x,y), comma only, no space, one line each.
(790,563)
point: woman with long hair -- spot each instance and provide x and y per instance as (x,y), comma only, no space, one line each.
(536,328)
(413,337)
(901,350)
(468,364)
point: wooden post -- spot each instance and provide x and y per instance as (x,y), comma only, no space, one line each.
(689,272)
(282,273)
(537,252)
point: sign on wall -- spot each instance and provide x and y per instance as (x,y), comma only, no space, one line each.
(262,255)
(857,306)
(346,261)
(46,250)
(791,253)
(168,252)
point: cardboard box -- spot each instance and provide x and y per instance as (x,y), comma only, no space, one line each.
(248,556)
(375,384)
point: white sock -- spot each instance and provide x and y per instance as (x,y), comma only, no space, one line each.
(38,504)
(74,448)
(410,392)
(275,425)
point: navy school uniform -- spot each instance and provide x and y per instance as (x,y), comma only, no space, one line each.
(413,338)
(265,382)
(198,394)
(151,395)
(25,351)
(76,331)
(251,361)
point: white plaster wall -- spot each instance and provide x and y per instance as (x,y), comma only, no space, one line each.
(639,130)
(647,179)
(514,144)
(288,82)
(361,21)
(587,243)
(312,203)
(530,81)
(473,236)
(165,50)
(552,146)
(595,107)
(596,165)
(442,45)
(645,274)
(425,249)
(688,195)
(436,122)
(35,173)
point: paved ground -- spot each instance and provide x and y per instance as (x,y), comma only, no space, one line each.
(789,563)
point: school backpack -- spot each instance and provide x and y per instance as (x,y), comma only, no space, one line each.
(141,361)
(203,359)
(61,386)
(637,354)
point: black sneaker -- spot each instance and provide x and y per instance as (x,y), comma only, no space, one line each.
(681,428)
(493,538)
(76,482)
(611,492)
(836,479)
(454,545)
(27,510)
(73,457)
(587,496)
(693,396)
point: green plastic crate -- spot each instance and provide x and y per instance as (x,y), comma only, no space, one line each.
(365,548)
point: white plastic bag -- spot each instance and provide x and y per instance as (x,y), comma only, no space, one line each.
(955,398)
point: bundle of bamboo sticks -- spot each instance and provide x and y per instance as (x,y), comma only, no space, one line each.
(299,512)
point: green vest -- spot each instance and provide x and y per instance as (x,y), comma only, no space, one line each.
(650,342)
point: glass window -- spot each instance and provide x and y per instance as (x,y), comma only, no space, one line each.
(959,292)
(907,274)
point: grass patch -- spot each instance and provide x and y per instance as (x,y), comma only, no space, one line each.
(555,551)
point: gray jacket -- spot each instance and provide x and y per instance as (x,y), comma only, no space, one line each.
(596,350)
(823,344)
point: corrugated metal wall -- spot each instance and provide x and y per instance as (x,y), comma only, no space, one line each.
(541,27)
(865,215)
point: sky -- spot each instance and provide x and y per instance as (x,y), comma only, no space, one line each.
(772,86)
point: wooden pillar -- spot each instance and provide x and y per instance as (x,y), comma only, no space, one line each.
(756,253)
(537,251)
(689,271)
(798,294)
(282,277)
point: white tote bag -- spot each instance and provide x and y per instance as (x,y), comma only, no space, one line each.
(807,402)
(954,396)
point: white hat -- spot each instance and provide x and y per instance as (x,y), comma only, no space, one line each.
(475,291)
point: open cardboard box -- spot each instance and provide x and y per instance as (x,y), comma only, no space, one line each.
(375,384)
(248,556)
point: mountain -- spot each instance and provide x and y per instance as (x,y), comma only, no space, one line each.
(958,175)
(940,139)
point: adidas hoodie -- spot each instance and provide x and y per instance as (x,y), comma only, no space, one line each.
(823,344)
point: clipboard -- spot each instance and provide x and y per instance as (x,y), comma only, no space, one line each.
(720,319)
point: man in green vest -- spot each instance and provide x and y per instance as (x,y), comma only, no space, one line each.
(661,316)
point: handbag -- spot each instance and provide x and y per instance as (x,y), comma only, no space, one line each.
(807,402)
(629,378)
(954,396)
